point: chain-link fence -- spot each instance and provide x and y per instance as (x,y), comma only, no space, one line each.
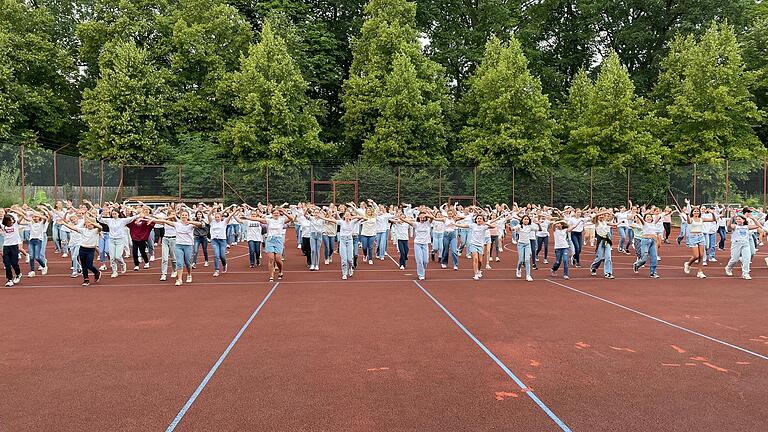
(32,175)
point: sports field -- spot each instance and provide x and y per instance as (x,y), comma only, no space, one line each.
(385,352)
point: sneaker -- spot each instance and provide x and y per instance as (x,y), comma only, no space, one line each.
(593,272)
(701,275)
(152,258)
(546,261)
(370,262)
(216,273)
(488,267)
(163,277)
(194,265)
(609,276)
(114,275)
(125,268)
(402,267)
(344,277)
(64,255)
(206,264)
(146,265)
(766,261)
(746,276)
(445,266)
(189,278)
(566,277)
(421,277)
(351,271)
(476,277)
(655,276)
(704,263)
(226,266)
(31,274)
(86,283)
(529,278)
(518,273)
(498,259)
(552,273)
(97,277)
(728,271)
(658,258)
(711,259)
(44,270)
(173,274)
(135,268)
(178,282)
(103,267)
(9,283)
(687,267)
(455,268)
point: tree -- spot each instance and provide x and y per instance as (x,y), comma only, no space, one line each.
(508,116)
(36,94)
(703,91)
(607,124)
(387,46)
(273,121)
(755,52)
(126,111)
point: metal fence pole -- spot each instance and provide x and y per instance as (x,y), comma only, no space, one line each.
(629,185)
(266,175)
(552,188)
(727,185)
(179,183)
(694,184)
(765,176)
(222,184)
(23,191)
(439,186)
(311,183)
(55,179)
(591,180)
(474,194)
(398,185)
(513,184)
(101,189)
(80,174)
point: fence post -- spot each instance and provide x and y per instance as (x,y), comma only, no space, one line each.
(80,174)
(765,171)
(694,184)
(120,185)
(727,185)
(474,196)
(629,185)
(179,183)
(513,184)
(311,183)
(591,180)
(266,175)
(55,179)
(398,185)
(101,189)
(439,186)
(222,183)
(552,188)
(23,192)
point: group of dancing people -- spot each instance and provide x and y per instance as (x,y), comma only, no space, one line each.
(360,232)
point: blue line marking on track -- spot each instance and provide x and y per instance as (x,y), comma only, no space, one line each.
(730,345)
(496,360)
(218,363)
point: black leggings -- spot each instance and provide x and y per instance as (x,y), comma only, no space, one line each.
(577,240)
(542,242)
(667,229)
(86,261)
(139,246)
(11,261)
(306,249)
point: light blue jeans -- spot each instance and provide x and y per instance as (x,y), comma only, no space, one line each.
(346,252)
(381,244)
(647,251)
(219,247)
(524,256)
(421,254)
(437,243)
(35,253)
(603,254)
(116,247)
(623,238)
(449,248)
(183,257)
(315,243)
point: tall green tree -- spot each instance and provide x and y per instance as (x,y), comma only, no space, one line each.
(755,52)
(125,112)
(274,121)
(371,93)
(36,75)
(703,92)
(509,120)
(607,124)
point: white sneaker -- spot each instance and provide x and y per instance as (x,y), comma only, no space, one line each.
(421,277)
(173,274)
(546,261)
(344,277)
(125,268)
(455,268)
(44,270)
(135,268)
(178,282)
(206,264)
(103,267)
(746,276)
(445,266)
(687,266)
(64,255)
(498,259)
(701,275)
(9,283)
(163,277)
(325,261)
(476,277)
(658,258)
(728,271)
(529,278)
(370,262)
(31,274)
(114,274)
(351,271)
(704,263)
(488,267)
(189,278)
(152,258)
(518,273)
(402,268)
(146,265)
(216,273)
(711,259)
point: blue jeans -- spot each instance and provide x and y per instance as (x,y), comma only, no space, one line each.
(437,243)
(231,234)
(315,240)
(367,246)
(104,248)
(561,256)
(623,238)
(200,241)
(463,233)
(603,254)
(712,245)
(345,251)
(449,247)
(183,257)
(524,256)
(254,250)
(402,247)
(381,244)
(329,243)
(647,251)
(683,228)
(421,253)
(578,242)
(35,253)
(56,234)
(355,245)
(219,247)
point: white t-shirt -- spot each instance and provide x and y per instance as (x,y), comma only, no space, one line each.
(184,233)
(621,219)
(219,229)
(382,221)
(12,236)
(275,227)
(347,229)
(561,239)
(421,233)
(543,229)
(89,238)
(401,230)
(117,226)
(576,223)
(477,234)
(438,227)
(526,233)
(253,231)
(38,230)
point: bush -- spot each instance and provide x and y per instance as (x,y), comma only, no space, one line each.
(10,191)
